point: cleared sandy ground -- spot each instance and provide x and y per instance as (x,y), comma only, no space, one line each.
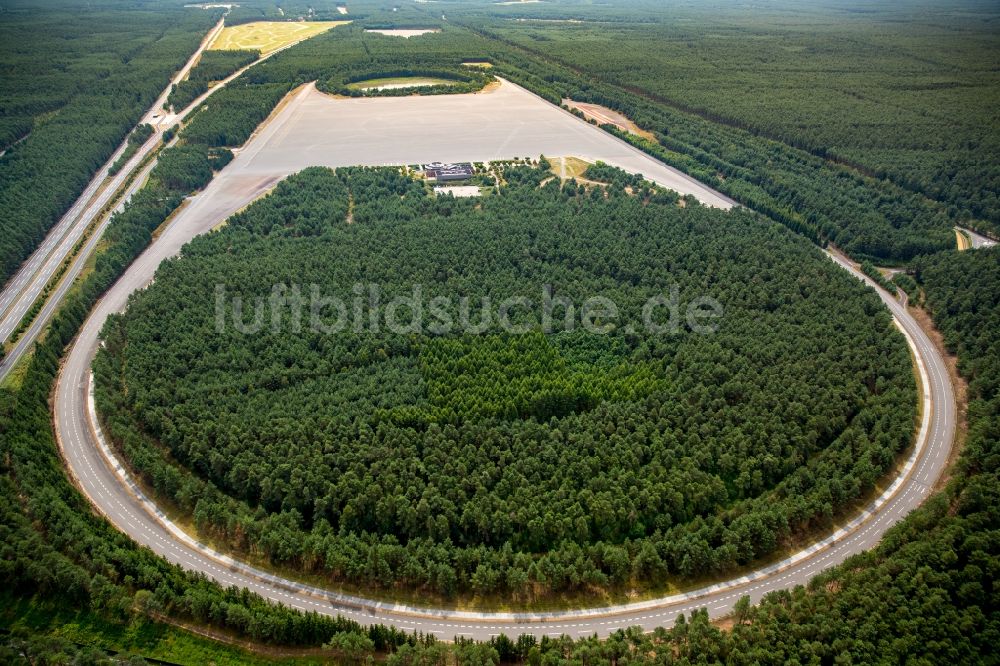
(401,32)
(458,190)
(605,116)
(314,129)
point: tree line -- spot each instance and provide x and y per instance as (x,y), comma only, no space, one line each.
(212,66)
(926,591)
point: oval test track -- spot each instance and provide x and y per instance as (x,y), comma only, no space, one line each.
(109,486)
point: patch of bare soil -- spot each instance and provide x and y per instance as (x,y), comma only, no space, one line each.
(602,115)
(488,88)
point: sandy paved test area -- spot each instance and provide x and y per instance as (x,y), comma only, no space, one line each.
(318,130)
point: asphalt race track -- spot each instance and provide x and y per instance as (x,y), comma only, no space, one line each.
(526,126)
(109,487)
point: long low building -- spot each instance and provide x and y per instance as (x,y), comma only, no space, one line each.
(446,172)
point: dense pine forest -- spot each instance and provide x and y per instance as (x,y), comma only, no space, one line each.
(880,156)
(506,450)
(899,97)
(75,83)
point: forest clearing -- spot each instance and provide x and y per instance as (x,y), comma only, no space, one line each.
(269,36)
(510,122)
(602,115)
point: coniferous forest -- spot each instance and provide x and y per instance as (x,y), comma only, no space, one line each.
(488,461)
(458,466)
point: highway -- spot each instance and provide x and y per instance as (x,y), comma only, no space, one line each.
(25,287)
(104,480)
(27,284)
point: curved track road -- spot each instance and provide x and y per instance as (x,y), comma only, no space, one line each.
(104,481)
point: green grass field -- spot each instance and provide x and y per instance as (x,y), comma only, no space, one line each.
(269,36)
(568,167)
(398,82)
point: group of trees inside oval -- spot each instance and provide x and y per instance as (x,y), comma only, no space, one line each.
(394,82)
(528,462)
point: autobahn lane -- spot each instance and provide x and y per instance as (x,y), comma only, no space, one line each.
(24,288)
(27,339)
(28,285)
(105,481)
